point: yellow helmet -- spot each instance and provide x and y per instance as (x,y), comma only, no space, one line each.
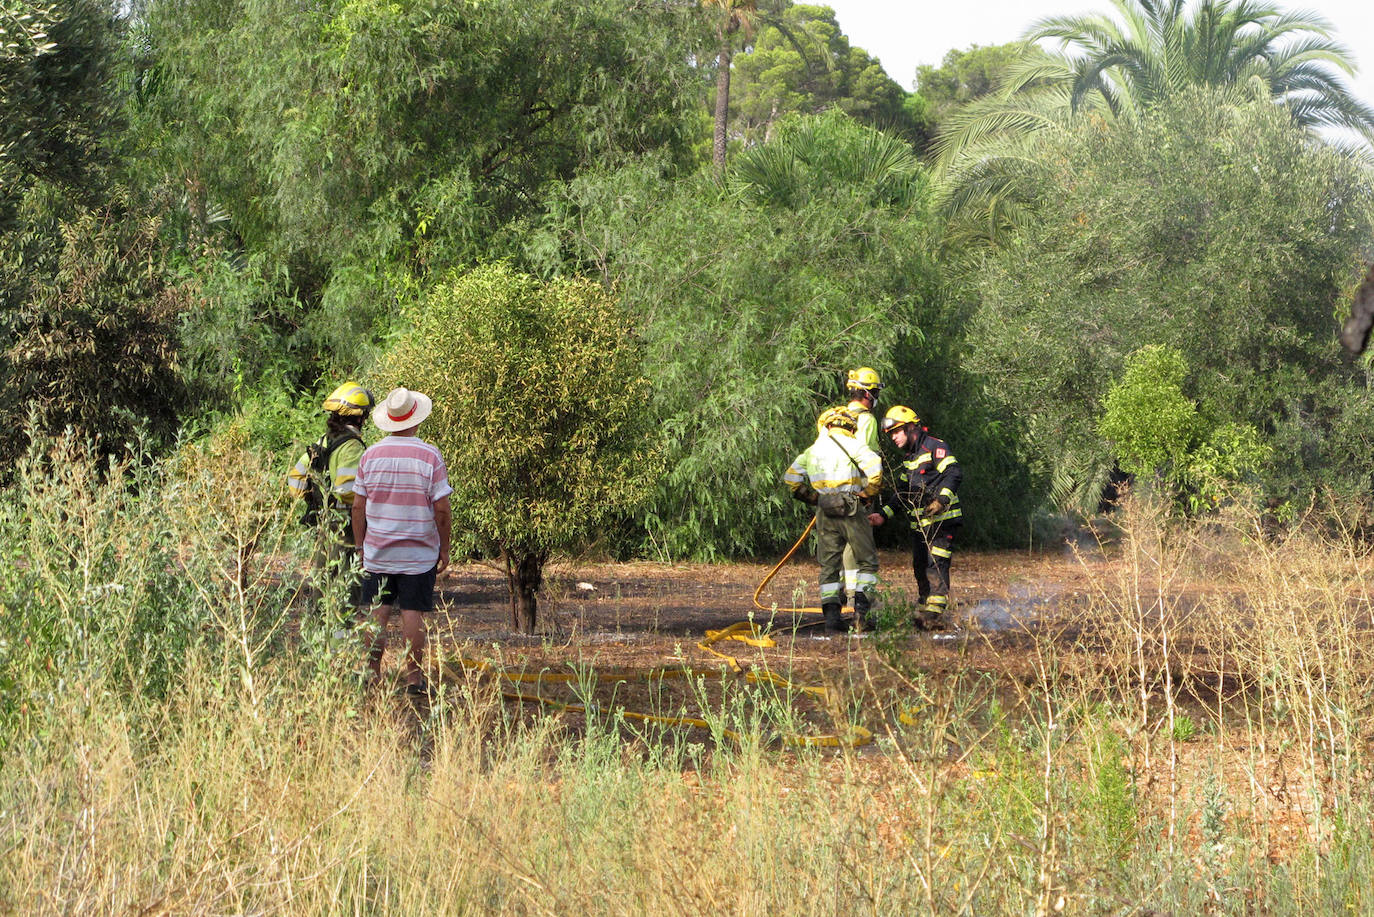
(837,417)
(349,400)
(897,417)
(864,379)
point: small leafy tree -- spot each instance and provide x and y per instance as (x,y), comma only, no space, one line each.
(1147,417)
(1158,432)
(538,410)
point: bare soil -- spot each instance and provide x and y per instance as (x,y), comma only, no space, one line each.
(646,621)
(634,613)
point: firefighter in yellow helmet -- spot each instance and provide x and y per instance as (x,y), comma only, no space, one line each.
(323,479)
(863,386)
(928,489)
(835,475)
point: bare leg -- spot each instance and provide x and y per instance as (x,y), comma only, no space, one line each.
(413,627)
(376,641)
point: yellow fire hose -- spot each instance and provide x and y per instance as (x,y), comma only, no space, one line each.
(746,632)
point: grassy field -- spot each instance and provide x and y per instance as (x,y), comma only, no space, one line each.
(174,742)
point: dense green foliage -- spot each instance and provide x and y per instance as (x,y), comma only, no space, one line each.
(247,201)
(58,62)
(753,303)
(89,308)
(1214,228)
(800,62)
(1157,434)
(538,397)
(363,147)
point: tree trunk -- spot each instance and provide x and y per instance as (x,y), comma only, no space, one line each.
(727,54)
(772,119)
(524,575)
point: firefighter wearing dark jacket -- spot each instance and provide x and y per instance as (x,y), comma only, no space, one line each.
(928,489)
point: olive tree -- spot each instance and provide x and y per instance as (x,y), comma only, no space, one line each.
(1212,227)
(538,398)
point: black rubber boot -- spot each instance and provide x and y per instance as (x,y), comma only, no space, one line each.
(834,624)
(863,619)
(931,617)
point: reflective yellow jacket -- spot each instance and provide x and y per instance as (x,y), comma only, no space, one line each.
(343,468)
(868,426)
(836,463)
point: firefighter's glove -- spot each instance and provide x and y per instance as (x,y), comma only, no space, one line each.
(805,493)
(934,506)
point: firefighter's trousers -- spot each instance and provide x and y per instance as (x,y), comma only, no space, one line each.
(833,535)
(932,548)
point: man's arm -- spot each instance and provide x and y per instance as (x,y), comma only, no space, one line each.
(443,520)
(359,511)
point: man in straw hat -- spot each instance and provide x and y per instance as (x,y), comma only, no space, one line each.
(402,520)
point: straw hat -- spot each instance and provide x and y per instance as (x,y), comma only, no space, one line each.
(401,409)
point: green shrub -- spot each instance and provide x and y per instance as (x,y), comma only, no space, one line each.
(1159,434)
(538,395)
(89,318)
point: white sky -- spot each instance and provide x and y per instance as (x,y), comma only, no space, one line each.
(905,33)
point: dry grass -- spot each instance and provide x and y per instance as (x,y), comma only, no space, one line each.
(1195,742)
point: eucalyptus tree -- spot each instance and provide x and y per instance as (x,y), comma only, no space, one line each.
(1116,67)
(753,296)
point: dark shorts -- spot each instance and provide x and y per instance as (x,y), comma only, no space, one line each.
(406,591)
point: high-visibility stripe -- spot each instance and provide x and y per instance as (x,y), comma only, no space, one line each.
(945,463)
(830,591)
(866,579)
(938,600)
(953,512)
(917,462)
(946,492)
(941,552)
(841,486)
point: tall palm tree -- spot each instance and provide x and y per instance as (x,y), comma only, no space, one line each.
(1156,48)
(1119,66)
(732,17)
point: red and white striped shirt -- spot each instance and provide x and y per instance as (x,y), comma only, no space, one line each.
(401,477)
